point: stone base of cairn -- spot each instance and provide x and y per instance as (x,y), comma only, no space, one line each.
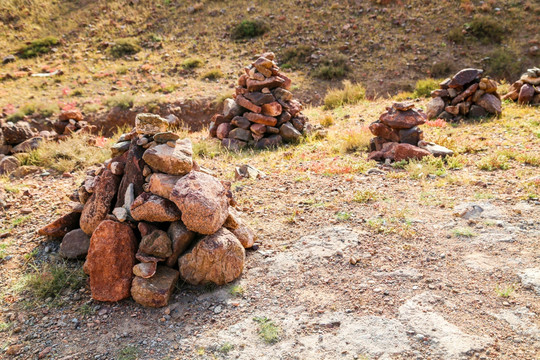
(526,91)
(398,136)
(466,95)
(149,216)
(263,112)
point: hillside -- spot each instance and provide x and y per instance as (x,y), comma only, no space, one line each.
(385,45)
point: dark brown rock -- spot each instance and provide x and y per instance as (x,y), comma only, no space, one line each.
(154,208)
(16,133)
(157,244)
(411,136)
(245,103)
(157,290)
(259,98)
(100,203)
(181,238)
(477,111)
(223,130)
(468,92)
(8,164)
(288,133)
(74,245)
(110,261)
(403,119)
(258,129)
(241,122)
(491,103)
(203,202)
(269,142)
(217,258)
(61,226)
(233,144)
(434,107)
(526,94)
(464,77)
(133,173)
(240,134)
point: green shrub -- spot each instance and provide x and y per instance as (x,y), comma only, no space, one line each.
(293,57)
(350,94)
(192,63)
(424,87)
(124,47)
(333,67)
(486,29)
(503,63)
(38,47)
(53,279)
(213,74)
(248,29)
(123,101)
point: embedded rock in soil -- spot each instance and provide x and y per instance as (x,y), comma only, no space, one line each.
(181,238)
(269,142)
(157,244)
(150,124)
(434,149)
(153,208)
(162,184)
(477,111)
(157,290)
(110,261)
(74,245)
(217,258)
(8,164)
(173,161)
(530,278)
(99,205)
(60,227)
(16,133)
(203,202)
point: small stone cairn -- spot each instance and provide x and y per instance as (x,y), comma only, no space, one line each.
(526,91)
(466,94)
(398,136)
(20,137)
(150,215)
(263,112)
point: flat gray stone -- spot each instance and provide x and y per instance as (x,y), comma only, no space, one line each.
(530,278)
(521,320)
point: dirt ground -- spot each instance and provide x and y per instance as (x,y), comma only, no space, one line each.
(350,264)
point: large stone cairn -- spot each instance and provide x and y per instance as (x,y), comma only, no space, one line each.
(466,94)
(149,216)
(527,89)
(398,136)
(263,112)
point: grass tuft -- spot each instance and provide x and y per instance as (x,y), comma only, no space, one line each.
(333,67)
(38,47)
(423,88)
(123,47)
(212,74)
(192,63)
(350,94)
(53,279)
(248,29)
(268,331)
(493,162)
(486,29)
(355,139)
(123,101)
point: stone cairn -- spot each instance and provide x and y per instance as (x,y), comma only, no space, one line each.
(527,89)
(263,112)
(20,137)
(150,215)
(466,94)
(398,136)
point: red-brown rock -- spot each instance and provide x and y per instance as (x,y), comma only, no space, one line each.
(468,92)
(74,114)
(408,151)
(464,77)
(526,94)
(157,290)
(245,103)
(217,258)
(272,109)
(153,208)
(403,119)
(261,119)
(223,130)
(258,129)
(203,202)
(181,238)
(110,261)
(61,226)
(383,131)
(99,205)
(133,173)
(270,83)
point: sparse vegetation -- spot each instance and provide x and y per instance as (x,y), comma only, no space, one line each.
(129,352)
(192,63)
(226,348)
(355,139)
(268,331)
(365,196)
(486,29)
(343,216)
(247,29)
(38,47)
(213,74)
(505,291)
(123,101)
(493,162)
(327,120)
(349,95)
(463,232)
(123,47)
(294,57)
(236,290)
(53,279)
(423,88)
(334,67)
(503,63)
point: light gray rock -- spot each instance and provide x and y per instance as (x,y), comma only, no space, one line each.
(478,210)
(530,278)
(521,320)
(173,161)
(150,124)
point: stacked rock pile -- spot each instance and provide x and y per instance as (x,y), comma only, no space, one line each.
(150,215)
(466,94)
(263,112)
(398,136)
(527,89)
(20,137)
